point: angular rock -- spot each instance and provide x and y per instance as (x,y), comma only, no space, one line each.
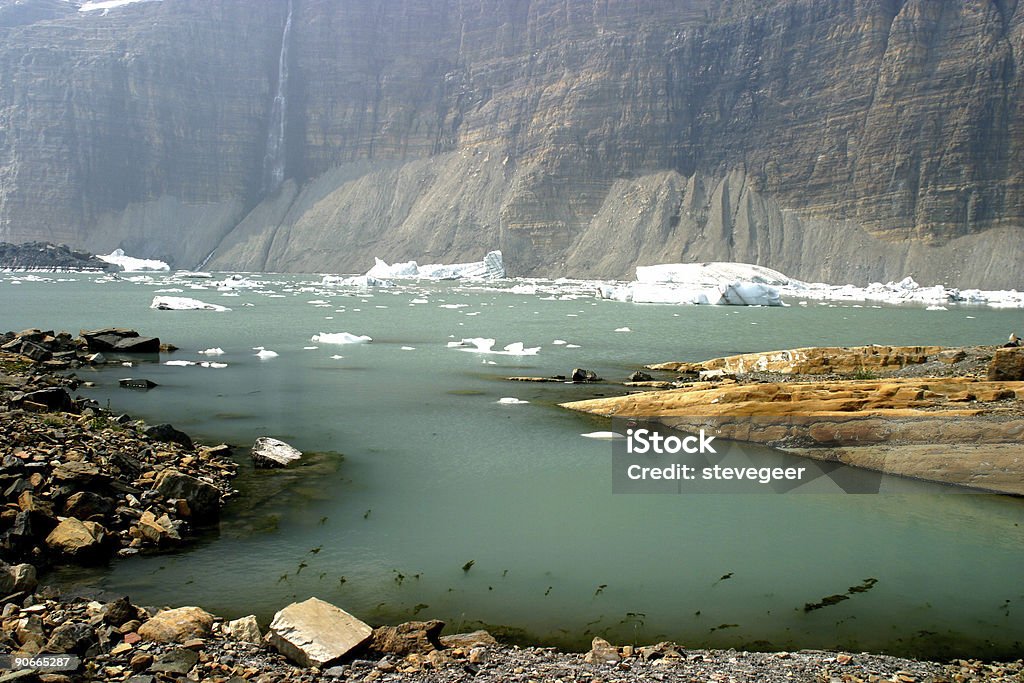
(639,376)
(469,640)
(420,637)
(581,375)
(137,345)
(17,578)
(104,339)
(79,541)
(70,638)
(177,625)
(315,633)
(120,611)
(601,651)
(166,432)
(268,452)
(245,629)
(86,505)
(203,498)
(178,661)
(1007,365)
(53,398)
(77,472)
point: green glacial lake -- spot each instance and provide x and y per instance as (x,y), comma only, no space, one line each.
(416,470)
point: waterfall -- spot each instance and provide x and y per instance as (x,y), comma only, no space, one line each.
(274,158)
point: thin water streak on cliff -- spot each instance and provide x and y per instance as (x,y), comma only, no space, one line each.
(274,158)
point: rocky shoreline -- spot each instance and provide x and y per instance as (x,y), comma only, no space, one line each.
(44,256)
(83,485)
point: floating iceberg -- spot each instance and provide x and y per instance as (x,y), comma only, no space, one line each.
(511,401)
(133,265)
(607,436)
(906,290)
(340,338)
(362,281)
(735,284)
(264,354)
(216,351)
(486,345)
(179,303)
(490,268)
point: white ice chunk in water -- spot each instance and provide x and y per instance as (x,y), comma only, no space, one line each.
(181,363)
(623,329)
(264,354)
(180,303)
(216,351)
(603,435)
(511,401)
(486,345)
(340,338)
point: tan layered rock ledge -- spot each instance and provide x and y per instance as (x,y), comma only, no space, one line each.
(959,428)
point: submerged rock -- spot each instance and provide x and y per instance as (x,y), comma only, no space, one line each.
(315,633)
(203,498)
(268,452)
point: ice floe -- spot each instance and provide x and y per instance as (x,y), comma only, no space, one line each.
(264,354)
(511,401)
(607,436)
(216,351)
(340,338)
(486,345)
(180,303)
(492,267)
(130,264)
(736,284)
(905,291)
(361,281)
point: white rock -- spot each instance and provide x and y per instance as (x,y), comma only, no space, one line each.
(268,452)
(315,633)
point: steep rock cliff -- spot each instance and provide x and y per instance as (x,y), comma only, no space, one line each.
(831,139)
